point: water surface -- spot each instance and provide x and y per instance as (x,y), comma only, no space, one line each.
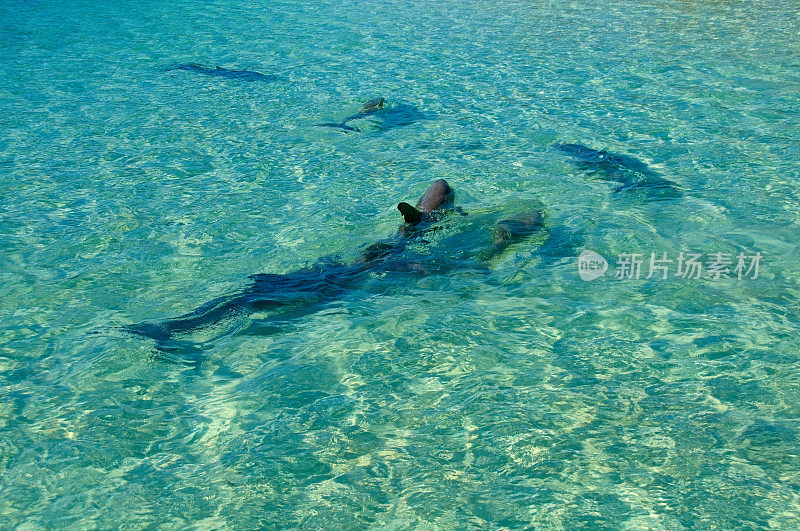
(519,397)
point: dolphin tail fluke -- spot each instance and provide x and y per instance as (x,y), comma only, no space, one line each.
(185,66)
(343,126)
(168,348)
(410,214)
(179,352)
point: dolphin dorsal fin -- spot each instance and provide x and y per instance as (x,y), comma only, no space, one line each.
(410,214)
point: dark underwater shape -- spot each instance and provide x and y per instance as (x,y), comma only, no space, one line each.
(288,297)
(631,173)
(342,126)
(239,75)
(518,227)
(379,115)
(527,224)
(371,107)
(308,288)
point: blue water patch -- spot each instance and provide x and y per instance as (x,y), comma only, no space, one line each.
(157,158)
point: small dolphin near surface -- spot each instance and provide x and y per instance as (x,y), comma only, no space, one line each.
(630,172)
(371,107)
(368,108)
(308,288)
(525,224)
(240,75)
(380,115)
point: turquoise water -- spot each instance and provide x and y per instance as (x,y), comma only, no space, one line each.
(510,397)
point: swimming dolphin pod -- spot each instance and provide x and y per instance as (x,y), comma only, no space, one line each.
(307,287)
(239,75)
(630,172)
(378,114)
(307,290)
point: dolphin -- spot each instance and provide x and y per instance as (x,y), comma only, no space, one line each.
(368,108)
(523,225)
(378,114)
(305,291)
(630,172)
(371,107)
(309,288)
(438,196)
(240,75)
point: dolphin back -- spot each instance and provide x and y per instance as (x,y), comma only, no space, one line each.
(632,173)
(241,75)
(437,196)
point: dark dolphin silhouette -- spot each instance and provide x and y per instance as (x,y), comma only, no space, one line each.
(517,228)
(438,196)
(239,75)
(302,292)
(630,172)
(309,288)
(371,107)
(368,108)
(380,115)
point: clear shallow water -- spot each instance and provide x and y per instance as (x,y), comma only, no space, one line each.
(520,397)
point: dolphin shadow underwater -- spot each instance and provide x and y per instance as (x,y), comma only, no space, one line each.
(631,173)
(379,115)
(287,297)
(238,75)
